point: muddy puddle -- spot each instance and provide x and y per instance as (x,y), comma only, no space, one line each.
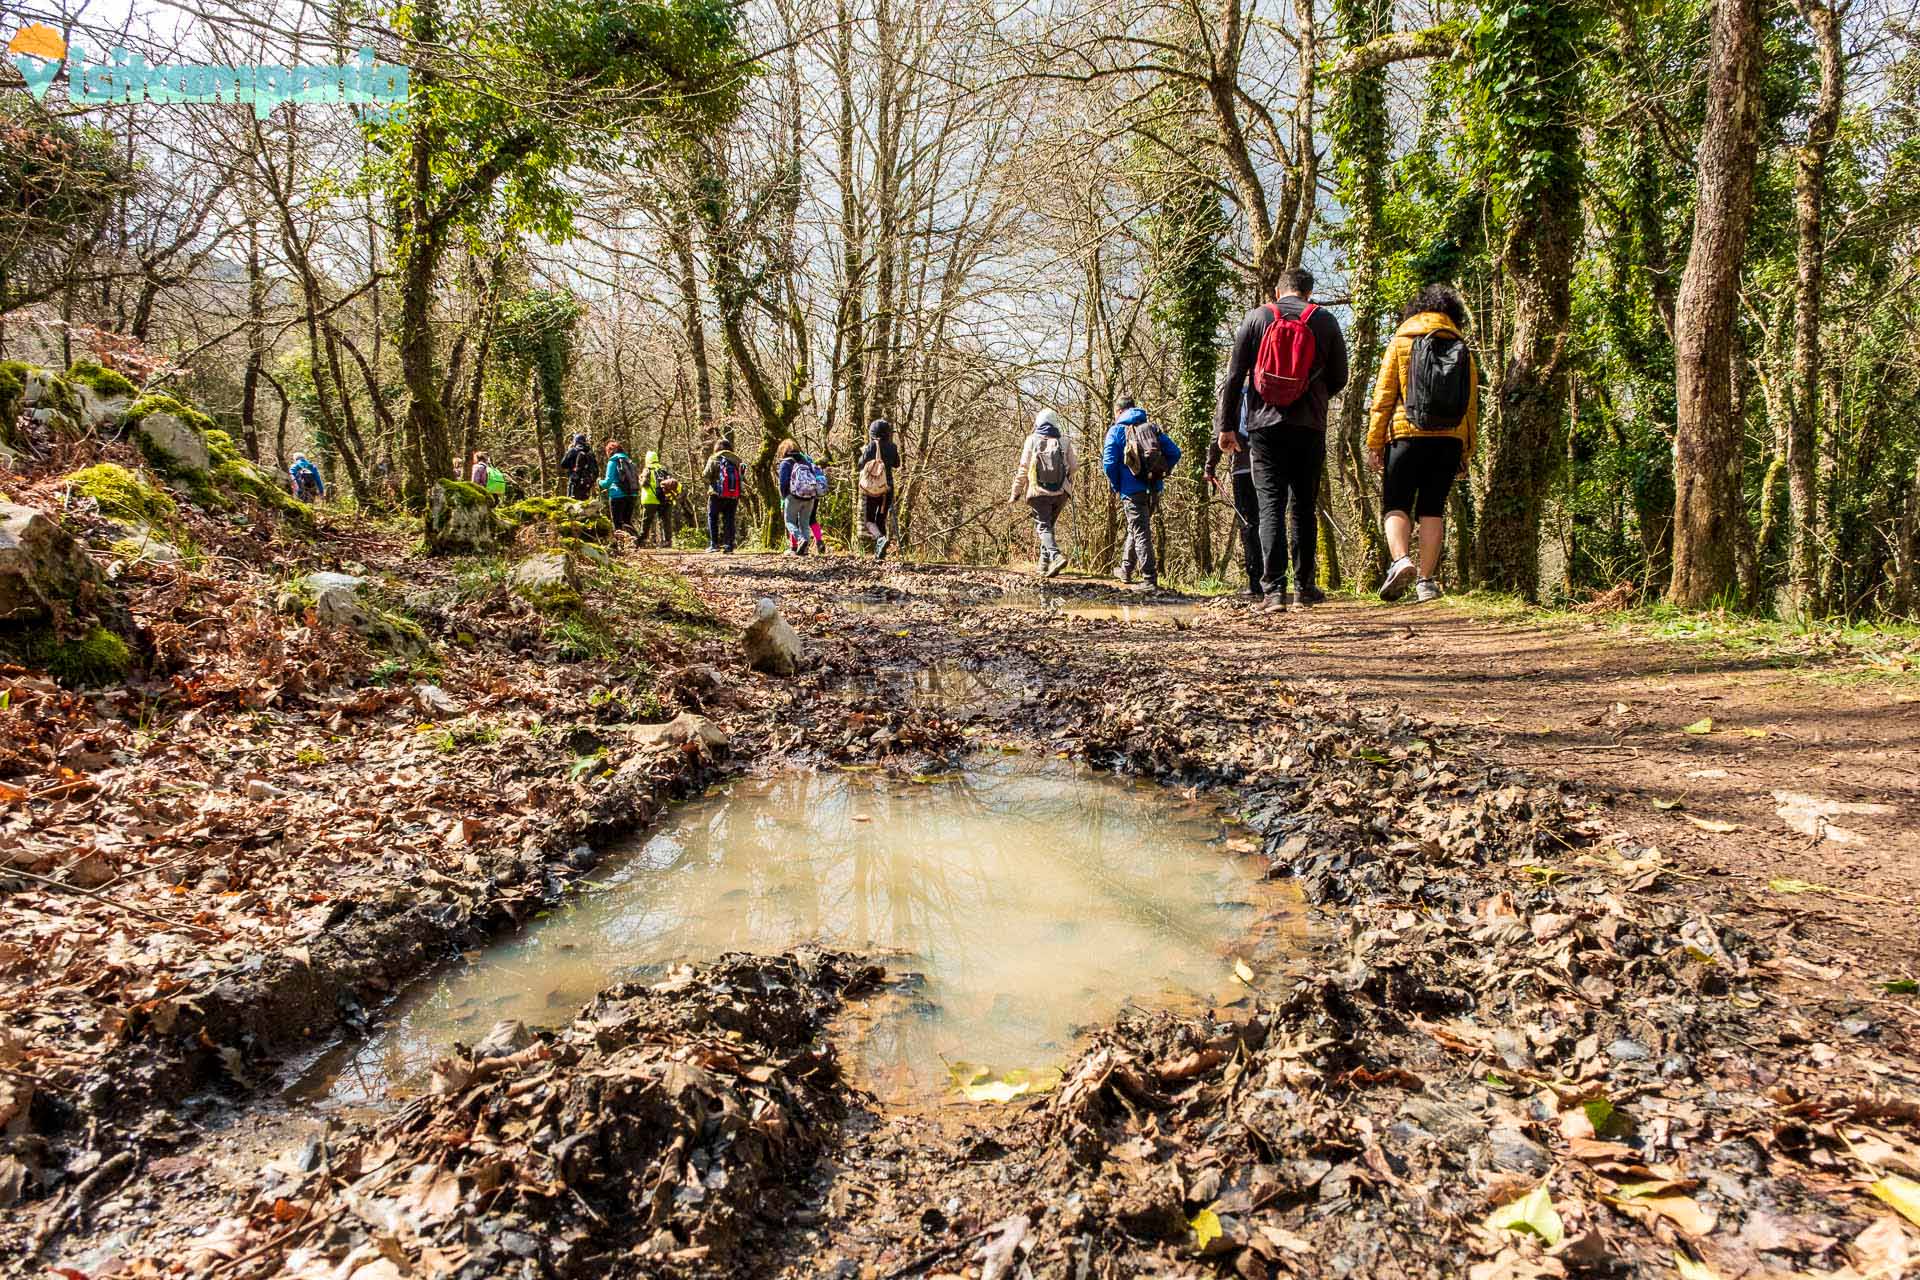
(1014,904)
(1165,614)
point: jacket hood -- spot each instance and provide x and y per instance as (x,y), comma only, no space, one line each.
(1131,416)
(1426,322)
(653,458)
(880,429)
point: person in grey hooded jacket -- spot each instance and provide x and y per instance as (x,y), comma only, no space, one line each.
(1045,478)
(878,461)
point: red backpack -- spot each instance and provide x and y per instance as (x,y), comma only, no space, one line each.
(1285,363)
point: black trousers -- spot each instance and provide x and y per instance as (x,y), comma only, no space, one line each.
(720,516)
(1287,462)
(1246,509)
(622,511)
(580,484)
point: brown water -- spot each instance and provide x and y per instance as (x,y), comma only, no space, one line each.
(1017,902)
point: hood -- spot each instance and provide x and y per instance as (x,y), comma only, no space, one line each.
(1131,416)
(653,457)
(1047,429)
(1424,323)
(880,429)
(579,437)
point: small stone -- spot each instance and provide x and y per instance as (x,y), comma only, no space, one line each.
(1625,1050)
(771,645)
(1510,1151)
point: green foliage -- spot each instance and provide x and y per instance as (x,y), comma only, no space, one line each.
(1527,56)
(536,332)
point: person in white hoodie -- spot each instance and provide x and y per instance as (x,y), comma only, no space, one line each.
(1045,478)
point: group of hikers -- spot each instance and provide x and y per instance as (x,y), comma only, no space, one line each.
(1288,360)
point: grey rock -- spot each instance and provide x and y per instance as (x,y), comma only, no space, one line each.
(770,644)
(41,567)
(459,521)
(683,730)
(178,441)
(540,578)
(1625,1050)
(1510,1151)
(509,1035)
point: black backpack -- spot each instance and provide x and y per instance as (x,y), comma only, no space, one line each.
(1143,455)
(625,475)
(1439,381)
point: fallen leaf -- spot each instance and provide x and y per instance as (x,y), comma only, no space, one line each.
(1902,1193)
(1691,1270)
(1710,824)
(1243,971)
(1702,725)
(1205,1226)
(1532,1214)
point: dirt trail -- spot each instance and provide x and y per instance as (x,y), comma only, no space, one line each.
(1527,986)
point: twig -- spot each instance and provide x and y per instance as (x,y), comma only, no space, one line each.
(101,897)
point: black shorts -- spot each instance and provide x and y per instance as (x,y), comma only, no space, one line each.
(1419,473)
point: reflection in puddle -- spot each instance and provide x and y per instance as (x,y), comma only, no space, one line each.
(1016,903)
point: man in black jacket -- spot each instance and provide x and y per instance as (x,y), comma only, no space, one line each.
(1287,444)
(579,468)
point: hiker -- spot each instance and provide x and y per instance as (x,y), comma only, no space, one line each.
(878,461)
(1245,502)
(577,462)
(802,485)
(1426,407)
(1045,478)
(724,476)
(622,483)
(1293,356)
(477,473)
(307,484)
(657,487)
(1137,457)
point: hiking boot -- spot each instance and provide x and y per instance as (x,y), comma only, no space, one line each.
(1426,589)
(1124,576)
(1058,563)
(1297,600)
(1400,576)
(1311,595)
(880,547)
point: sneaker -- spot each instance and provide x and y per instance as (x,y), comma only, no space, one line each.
(1303,599)
(1311,595)
(1058,563)
(819,548)
(1426,589)
(880,547)
(1124,576)
(1153,584)
(1399,577)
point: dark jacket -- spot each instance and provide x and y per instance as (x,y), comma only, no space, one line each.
(578,459)
(1329,372)
(880,445)
(1113,457)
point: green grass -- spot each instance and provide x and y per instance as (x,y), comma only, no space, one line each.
(1838,649)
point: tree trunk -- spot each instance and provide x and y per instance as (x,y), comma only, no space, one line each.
(1708,513)
(1809,199)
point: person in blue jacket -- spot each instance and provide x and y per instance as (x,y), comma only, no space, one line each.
(1137,459)
(622,483)
(307,484)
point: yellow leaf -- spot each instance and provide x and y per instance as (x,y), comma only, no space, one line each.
(1703,725)
(993,1091)
(1902,1193)
(1755,733)
(1533,1213)
(1797,886)
(1710,824)
(1243,971)
(903,634)
(966,1073)
(1691,1270)
(1205,1226)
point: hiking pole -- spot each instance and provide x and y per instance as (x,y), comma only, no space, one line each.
(1231,504)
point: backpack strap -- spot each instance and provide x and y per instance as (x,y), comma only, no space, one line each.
(1308,311)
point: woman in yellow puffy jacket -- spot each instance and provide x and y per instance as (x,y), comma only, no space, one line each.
(1426,406)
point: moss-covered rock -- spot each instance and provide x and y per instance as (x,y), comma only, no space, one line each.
(123,495)
(107,383)
(461,519)
(548,581)
(556,519)
(342,600)
(95,657)
(200,461)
